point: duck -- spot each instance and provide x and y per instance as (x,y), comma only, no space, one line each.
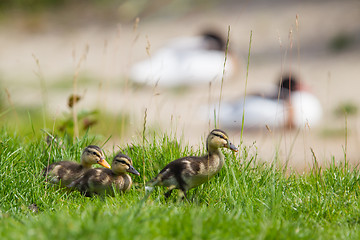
(65,172)
(186,61)
(290,105)
(103,181)
(189,172)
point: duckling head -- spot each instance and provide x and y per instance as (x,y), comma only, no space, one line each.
(218,139)
(122,164)
(93,154)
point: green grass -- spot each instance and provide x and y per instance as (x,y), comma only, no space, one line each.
(248,199)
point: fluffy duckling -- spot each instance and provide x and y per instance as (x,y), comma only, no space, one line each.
(189,172)
(102,180)
(66,172)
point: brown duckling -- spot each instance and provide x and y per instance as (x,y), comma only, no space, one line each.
(66,172)
(189,172)
(104,181)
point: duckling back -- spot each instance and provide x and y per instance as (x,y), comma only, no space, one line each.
(188,172)
(67,171)
(63,172)
(101,181)
(105,181)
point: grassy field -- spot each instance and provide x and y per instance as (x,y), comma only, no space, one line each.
(247,200)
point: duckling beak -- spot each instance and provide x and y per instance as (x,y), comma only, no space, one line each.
(232,147)
(133,170)
(104,163)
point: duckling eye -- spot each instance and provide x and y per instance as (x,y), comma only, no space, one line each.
(96,154)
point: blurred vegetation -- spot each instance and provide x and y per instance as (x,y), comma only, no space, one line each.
(346,108)
(30,5)
(334,132)
(94,122)
(340,42)
(2,99)
(123,9)
(42,4)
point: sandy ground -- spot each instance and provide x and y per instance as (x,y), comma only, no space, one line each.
(279,41)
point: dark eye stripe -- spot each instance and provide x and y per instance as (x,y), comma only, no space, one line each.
(123,162)
(220,136)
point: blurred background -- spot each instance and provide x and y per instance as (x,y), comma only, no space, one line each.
(53,51)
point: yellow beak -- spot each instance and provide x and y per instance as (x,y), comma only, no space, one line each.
(104,163)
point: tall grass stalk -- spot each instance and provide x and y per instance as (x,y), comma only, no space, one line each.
(3,113)
(291,149)
(246,80)
(316,167)
(100,98)
(40,75)
(210,108)
(75,79)
(12,106)
(346,136)
(297,40)
(290,69)
(143,143)
(223,75)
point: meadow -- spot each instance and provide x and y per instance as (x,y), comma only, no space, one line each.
(251,198)
(248,199)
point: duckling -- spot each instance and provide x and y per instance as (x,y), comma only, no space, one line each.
(66,172)
(102,180)
(189,172)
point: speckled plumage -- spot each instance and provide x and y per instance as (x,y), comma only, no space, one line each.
(189,172)
(65,172)
(105,181)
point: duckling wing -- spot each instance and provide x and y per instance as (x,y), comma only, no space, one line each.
(64,171)
(184,173)
(170,175)
(201,169)
(94,181)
